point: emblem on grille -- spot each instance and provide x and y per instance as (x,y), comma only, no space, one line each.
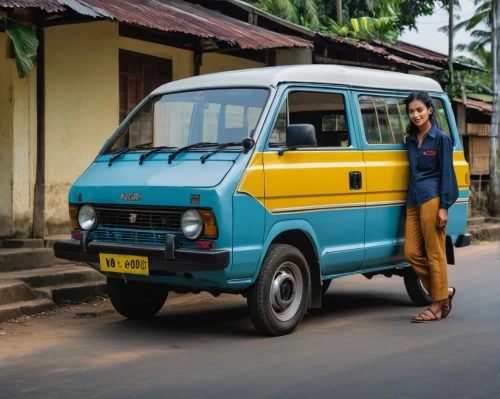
(132,218)
(131,197)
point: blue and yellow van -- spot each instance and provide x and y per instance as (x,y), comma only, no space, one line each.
(267,183)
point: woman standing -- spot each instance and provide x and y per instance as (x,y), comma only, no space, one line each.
(432,190)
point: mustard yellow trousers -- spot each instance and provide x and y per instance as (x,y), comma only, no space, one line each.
(425,248)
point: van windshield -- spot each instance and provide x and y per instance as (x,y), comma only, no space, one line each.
(181,119)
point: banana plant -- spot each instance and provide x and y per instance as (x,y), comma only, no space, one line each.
(366,28)
(25,45)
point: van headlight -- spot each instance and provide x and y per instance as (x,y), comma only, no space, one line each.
(87,217)
(192,224)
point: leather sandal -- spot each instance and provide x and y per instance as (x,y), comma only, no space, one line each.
(446,312)
(419,318)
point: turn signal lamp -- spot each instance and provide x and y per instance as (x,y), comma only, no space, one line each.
(73,216)
(210,230)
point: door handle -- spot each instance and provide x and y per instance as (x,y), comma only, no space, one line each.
(355,180)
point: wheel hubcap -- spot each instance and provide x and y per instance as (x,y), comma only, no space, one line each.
(286,291)
(423,288)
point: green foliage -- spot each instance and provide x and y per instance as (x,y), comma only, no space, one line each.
(473,82)
(301,12)
(367,28)
(368,19)
(482,16)
(25,45)
(480,55)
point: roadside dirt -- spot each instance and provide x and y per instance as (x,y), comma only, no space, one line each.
(31,334)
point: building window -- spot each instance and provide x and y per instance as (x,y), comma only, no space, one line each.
(139,74)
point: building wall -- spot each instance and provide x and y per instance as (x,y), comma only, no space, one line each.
(294,56)
(220,63)
(24,152)
(82,100)
(6,65)
(17,145)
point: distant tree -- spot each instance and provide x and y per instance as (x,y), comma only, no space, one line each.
(487,14)
(403,13)
(494,192)
(301,12)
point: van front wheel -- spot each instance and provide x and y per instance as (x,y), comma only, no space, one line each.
(277,301)
(135,300)
(415,289)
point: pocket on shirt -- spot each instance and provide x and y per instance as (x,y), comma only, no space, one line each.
(428,160)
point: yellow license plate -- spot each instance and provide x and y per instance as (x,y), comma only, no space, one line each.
(128,264)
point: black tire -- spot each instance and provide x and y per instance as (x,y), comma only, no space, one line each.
(287,267)
(325,286)
(415,289)
(135,300)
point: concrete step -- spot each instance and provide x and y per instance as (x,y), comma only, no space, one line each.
(15,291)
(476,221)
(50,240)
(72,292)
(56,275)
(23,243)
(25,308)
(490,231)
(15,259)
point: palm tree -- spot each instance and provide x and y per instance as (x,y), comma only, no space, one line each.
(482,15)
(338,10)
(493,200)
(25,45)
(474,81)
(488,13)
(301,12)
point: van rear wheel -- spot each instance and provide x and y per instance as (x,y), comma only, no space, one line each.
(277,301)
(135,300)
(415,289)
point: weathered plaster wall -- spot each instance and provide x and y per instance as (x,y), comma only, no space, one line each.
(220,63)
(82,102)
(294,56)
(6,65)
(17,145)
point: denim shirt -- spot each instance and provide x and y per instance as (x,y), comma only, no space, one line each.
(431,169)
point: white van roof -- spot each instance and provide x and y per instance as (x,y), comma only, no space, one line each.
(322,74)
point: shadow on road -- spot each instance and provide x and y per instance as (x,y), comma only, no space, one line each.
(228,317)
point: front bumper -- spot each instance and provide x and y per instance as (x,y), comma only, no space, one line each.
(167,259)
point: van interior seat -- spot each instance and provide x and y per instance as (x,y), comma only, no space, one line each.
(332,138)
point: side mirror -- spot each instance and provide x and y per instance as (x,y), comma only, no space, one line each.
(248,144)
(301,136)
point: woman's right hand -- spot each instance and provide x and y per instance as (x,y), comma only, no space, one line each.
(442,218)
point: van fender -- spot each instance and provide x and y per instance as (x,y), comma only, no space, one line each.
(281,227)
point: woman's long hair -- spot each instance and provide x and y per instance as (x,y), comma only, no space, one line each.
(424,98)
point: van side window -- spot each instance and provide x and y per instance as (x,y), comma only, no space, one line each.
(325,111)
(441,117)
(385,119)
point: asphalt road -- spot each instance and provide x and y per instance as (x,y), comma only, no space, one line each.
(359,345)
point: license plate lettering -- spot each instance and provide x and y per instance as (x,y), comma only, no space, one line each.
(127,264)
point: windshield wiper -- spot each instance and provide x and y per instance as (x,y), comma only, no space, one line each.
(221,147)
(202,144)
(156,149)
(125,150)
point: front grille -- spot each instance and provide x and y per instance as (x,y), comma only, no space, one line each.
(136,218)
(130,237)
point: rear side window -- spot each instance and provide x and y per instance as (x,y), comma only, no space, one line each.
(385,119)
